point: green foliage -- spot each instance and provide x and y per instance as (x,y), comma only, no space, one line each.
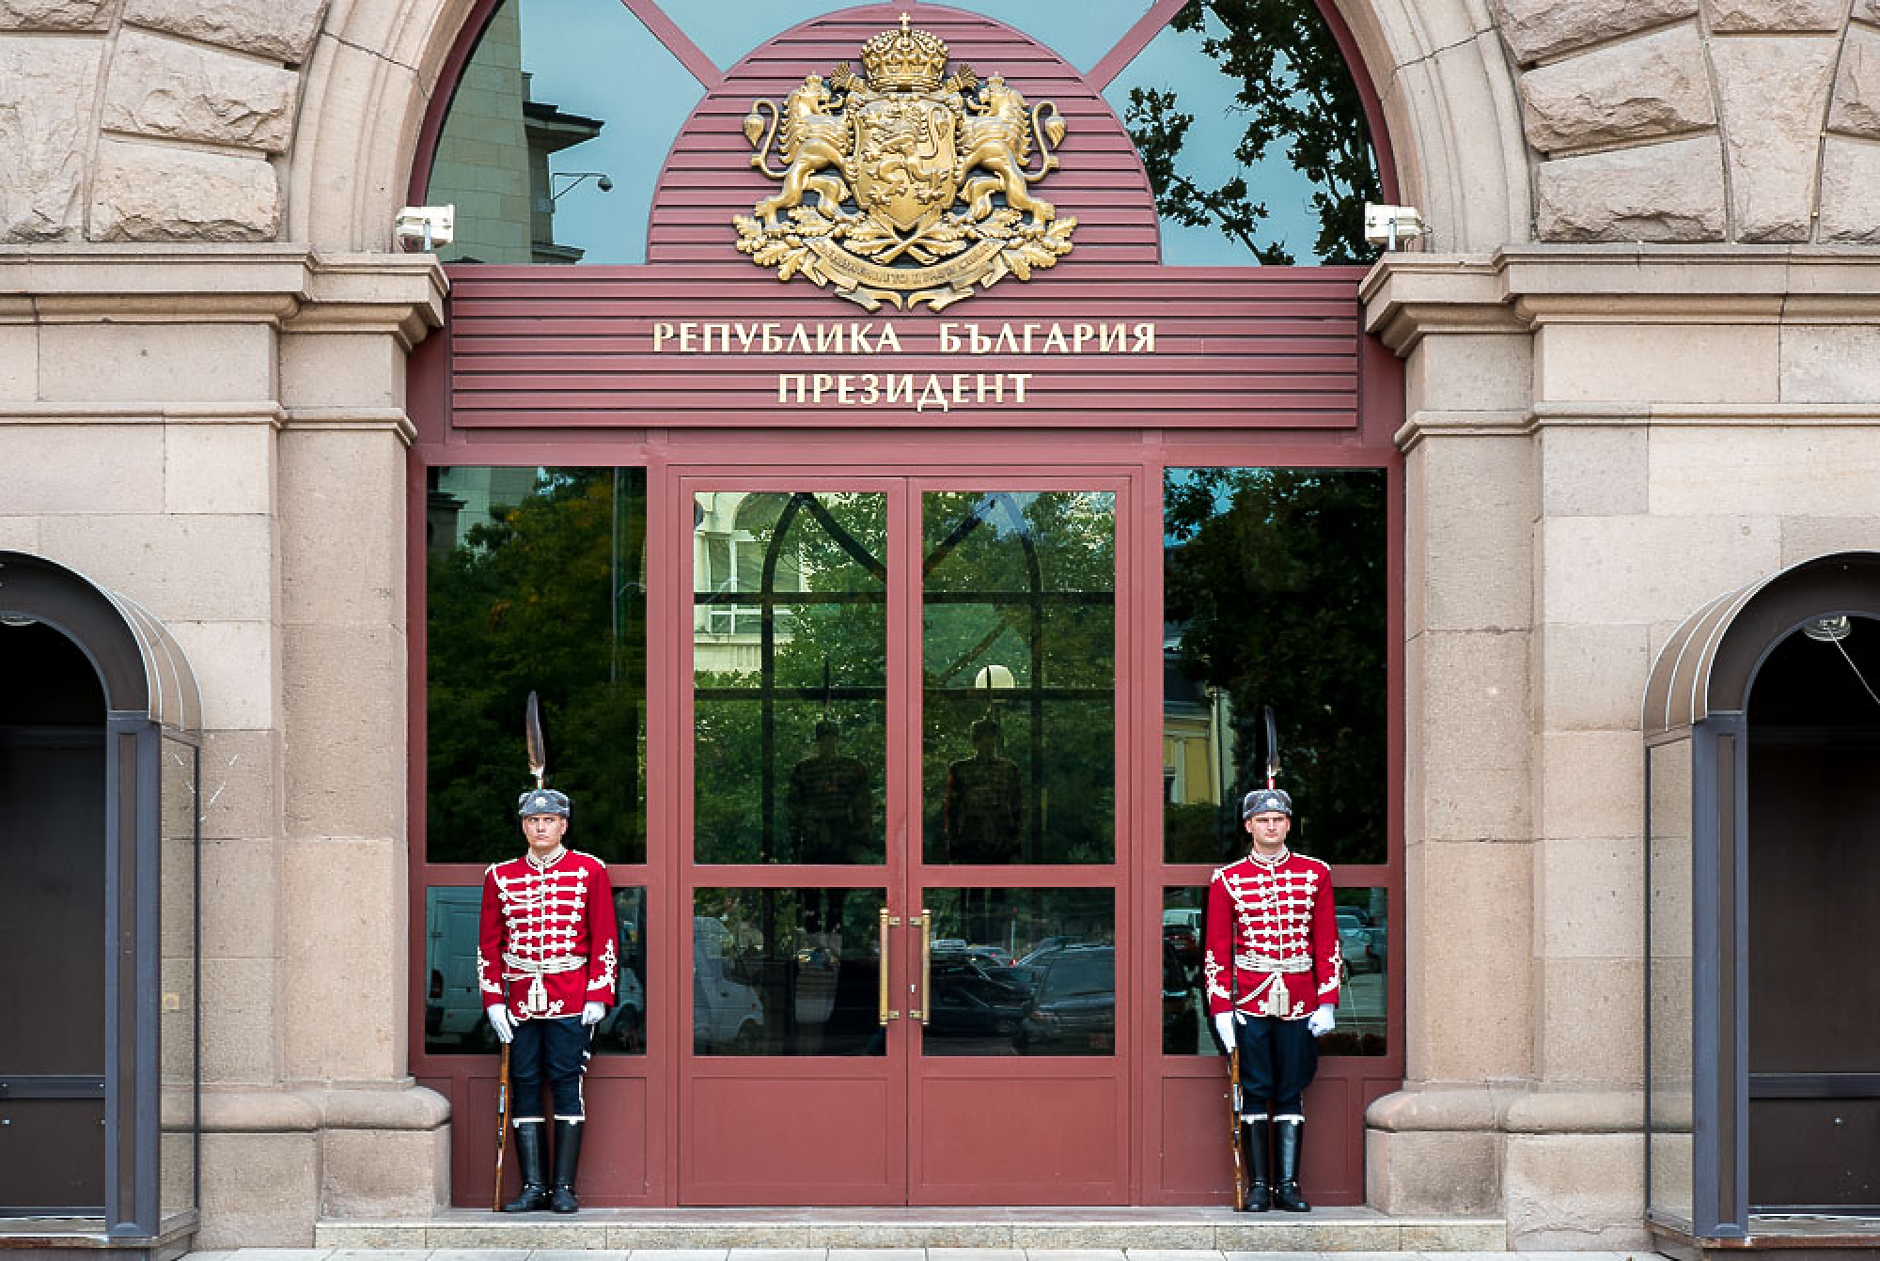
(521,604)
(1277,579)
(1294,89)
(984,556)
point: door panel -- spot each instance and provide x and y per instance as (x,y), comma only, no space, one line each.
(862,652)
(52,960)
(1814,1001)
(1020,972)
(1012,1137)
(755,1136)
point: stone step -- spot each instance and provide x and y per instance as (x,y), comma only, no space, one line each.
(1207,1229)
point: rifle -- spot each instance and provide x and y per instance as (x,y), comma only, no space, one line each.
(1233,1127)
(502,1128)
(1233,1084)
(537,749)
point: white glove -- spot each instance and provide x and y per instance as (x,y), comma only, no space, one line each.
(1321,1022)
(500,1021)
(592,1013)
(1224,1025)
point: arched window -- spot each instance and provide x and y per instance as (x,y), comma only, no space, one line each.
(1254,135)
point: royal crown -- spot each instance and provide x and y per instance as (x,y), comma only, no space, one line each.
(904,60)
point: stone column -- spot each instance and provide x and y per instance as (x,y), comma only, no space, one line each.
(1434,1147)
(383,1143)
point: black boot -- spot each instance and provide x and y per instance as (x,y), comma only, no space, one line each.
(1286,1136)
(532,1162)
(567,1160)
(1253,1143)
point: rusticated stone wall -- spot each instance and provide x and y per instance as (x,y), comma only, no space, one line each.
(198,99)
(1756,121)
(1753,121)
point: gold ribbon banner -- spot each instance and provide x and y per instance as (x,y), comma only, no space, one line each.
(957,272)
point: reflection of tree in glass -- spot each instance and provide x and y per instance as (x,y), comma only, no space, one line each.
(983,616)
(1294,88)
(1025,582)
(1276,580)
(521,604)
(828,664)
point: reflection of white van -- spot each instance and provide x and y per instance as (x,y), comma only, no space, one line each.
(727,1018)
(1188,917)
(453,1005)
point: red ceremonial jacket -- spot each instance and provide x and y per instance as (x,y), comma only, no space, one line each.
(1271,940)
(547,944)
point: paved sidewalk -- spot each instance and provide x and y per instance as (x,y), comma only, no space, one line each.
(879,1254)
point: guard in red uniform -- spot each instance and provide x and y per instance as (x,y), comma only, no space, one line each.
(1271,967)
(548,964)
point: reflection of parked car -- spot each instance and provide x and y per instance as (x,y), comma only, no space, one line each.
(997,956)
(453,1014)
(727,1018)
(1046,948)
(1073,1010)
(1181,1015)
(1362,946)
(624,1025)
(1181,928)
(971,999)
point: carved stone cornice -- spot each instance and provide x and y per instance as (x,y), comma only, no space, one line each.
(286,287)
(1411,296)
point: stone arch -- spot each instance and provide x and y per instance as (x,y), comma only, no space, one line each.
(1450,108)
(1439,69)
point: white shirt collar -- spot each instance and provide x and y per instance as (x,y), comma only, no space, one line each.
(543,864)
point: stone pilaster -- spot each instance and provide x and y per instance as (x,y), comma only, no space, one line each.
(218,433)
(1692,422)
(1434,1146)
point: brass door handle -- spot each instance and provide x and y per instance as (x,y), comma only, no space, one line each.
(924,1013)
(886,1012)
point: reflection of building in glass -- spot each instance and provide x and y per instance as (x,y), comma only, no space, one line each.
(731,533)
(1197,756)
(492,158)
(460,498)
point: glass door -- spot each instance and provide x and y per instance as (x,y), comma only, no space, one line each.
(792,1089)
(902,863)
(1018,1090)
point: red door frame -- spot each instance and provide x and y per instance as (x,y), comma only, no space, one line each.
(1169,1101)
(1172,1101)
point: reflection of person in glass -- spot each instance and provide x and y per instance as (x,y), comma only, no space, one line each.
(984,801)
(830,803)
(548,968)
(1271,963)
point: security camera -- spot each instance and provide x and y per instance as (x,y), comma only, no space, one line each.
(1387,225)
(606,184)
(428,227)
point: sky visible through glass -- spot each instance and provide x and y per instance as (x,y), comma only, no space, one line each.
(594,58)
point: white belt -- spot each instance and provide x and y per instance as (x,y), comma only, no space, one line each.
(1251,962)
(516,969)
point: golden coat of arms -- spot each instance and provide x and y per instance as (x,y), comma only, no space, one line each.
(905,145)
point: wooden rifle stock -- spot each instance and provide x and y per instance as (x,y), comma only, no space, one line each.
(1233,1127)
(502,1128)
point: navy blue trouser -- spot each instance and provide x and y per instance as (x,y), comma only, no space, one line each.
(551,1051)
(1277,1061)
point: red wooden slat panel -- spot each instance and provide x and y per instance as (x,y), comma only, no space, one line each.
(1266,347)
